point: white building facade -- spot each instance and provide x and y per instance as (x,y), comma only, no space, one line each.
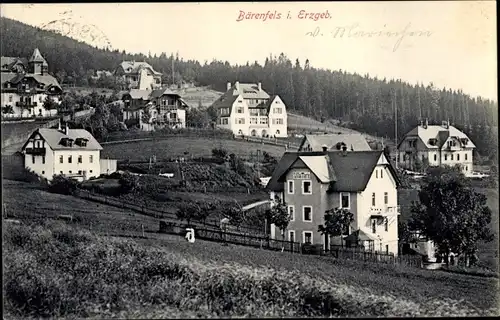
(246,109)
(362,182)
(70,152)
(436,145)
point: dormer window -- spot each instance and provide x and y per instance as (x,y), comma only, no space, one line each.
(82,142)
(341,146)
(432,142)
(67,142)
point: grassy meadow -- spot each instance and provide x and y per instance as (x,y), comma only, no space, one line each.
(176,146)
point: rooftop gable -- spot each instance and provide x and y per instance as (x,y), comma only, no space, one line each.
(353,141)
(345,171)
(437,132)
(53,138)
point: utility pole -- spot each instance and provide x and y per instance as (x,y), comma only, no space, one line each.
(173,77)
(396,126)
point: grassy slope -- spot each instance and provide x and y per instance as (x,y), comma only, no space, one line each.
(413,284)
(176,146)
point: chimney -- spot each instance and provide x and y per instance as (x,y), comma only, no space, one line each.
(260,86)
(237,84)
(228,86)
(421,123)
(66,129)
(59,127)
(426,124)
(445,124)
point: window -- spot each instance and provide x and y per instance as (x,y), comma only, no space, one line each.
(386,249)
(376,174)
(466,156)
(344,200)
(291,236)
(240,109)
(80,159)
(60,172)
(423,157)
(466,168)
(79,171)
(70,171)
(43,172)
(90,171)
(373,199)
(10,98)
(43,159)
(38,144)
(33,159)
(91,159)
(263,120)
(386,198)
(278,121)
(253,120)
(451,156)
(374,226)
(381,173)
(307,213)
(306,187)
(458,157)
(308,237)
(40,99)
(290,187)
(435,157)
(278,110)
(70,159)
(291,212)
(240,120)
(445,157)
(386,225)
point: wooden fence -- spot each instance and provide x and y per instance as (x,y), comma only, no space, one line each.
(230,237)
(166,215)
(361,254)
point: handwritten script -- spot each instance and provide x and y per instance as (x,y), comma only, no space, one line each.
(77,29)
(354,31)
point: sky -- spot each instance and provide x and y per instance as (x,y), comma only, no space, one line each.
(449,43)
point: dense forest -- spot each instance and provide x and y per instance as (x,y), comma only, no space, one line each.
(365,103)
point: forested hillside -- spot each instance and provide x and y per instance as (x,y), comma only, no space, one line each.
(360,101)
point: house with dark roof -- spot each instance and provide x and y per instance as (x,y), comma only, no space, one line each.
(139,75)
(154,108)
(246,109)
(435,145)
(73,153)
(363,182)
(334,142)
(25,86)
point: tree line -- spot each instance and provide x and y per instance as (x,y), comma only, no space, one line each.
(365,103)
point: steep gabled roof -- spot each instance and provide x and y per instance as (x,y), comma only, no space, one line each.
(53,138)
(355,140)
(37,57)
(248,91)
(347,172)
(225,101)
(47,80)
(161,92)
(137,94)
(134,67)
(434,132)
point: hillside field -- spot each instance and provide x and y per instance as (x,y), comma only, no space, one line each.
(176,146)
(68,251)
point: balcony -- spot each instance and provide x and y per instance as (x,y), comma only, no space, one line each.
(385,211)
(35,151)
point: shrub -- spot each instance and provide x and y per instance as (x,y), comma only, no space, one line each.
(63,185)
(219,153)
(128,182)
